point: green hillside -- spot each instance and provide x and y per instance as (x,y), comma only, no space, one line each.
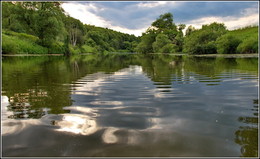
(248,37)
(244,33)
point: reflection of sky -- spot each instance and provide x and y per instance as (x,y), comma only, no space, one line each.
(77,124)
(143,106)
(123,106)
(4,104)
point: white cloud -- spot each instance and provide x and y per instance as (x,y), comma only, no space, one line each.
(82,12)
(151,4)
(136,32)
(230,22)
(88,14)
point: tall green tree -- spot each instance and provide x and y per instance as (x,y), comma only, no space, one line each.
(163,36)
(75,30)
(145,46)
(164,22)
(202,41)
(49,22)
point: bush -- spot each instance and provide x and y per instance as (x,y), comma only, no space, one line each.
(14,45)
(169,48)
(249,45)
(227,44)
(57,48)
(23,36)
(210,48)
(202,41)
(88,49)
(8,45)
(74,49)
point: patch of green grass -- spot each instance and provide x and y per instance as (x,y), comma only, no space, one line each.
(244,33)
(23,36)
(88,49)
(248,37)
(12,44)
(74,49)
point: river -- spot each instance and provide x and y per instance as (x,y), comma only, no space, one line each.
(129,105)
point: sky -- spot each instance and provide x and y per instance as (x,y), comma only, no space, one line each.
(134,17)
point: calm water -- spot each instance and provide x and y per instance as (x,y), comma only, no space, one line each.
(129,105)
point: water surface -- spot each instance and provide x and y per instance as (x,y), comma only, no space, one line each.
(129,105)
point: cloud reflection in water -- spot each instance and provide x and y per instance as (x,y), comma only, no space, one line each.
(77,124)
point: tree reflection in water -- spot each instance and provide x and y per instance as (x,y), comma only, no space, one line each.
(247,136)
(116,99)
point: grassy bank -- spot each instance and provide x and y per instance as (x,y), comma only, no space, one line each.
(248,38)
(20,43)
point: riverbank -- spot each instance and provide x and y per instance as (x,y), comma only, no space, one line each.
(203,55)
(228,55)
(32,54)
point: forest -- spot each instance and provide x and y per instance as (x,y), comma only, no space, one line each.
(45,28)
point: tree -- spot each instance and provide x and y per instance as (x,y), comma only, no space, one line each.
(59,32)
(165,21)
(49,22)
(202,41)
(189,30)
(75,31)
(181,27)
(163,44)
(227,44)
(145,46)
(162,36)
(249,45)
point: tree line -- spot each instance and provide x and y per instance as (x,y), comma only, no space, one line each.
(55,32)
(165,37)
(44,27)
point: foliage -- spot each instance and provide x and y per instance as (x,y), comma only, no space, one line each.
(202,41)
(51,28)
(163,44)
(23,36)
(227,44)
(249,45)
(162,37)
(248,37)
(189,30)
(74,49)
(164,22)
(145,46)
(88,49)
(14,44)
(56,48)
(45,26)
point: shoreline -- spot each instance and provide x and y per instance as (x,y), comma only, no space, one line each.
(32,54)
(202,55)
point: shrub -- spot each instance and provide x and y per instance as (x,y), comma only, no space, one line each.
(74,49)
(227,44)
(23,36)
(57,48)
(169,48)
(249,45)
(202,41)
(88,49)
(13,44)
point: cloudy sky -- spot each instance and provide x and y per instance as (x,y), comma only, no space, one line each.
(134,17)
